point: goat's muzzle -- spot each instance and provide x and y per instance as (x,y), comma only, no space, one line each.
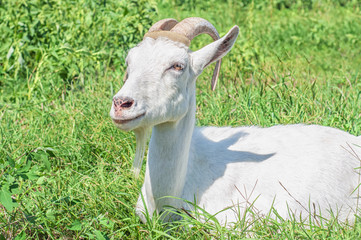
(122,103)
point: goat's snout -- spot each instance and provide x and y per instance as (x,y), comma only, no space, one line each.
(122,103)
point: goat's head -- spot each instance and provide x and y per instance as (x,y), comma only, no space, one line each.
(161,72)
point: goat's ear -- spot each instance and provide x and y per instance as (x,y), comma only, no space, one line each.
(214,51)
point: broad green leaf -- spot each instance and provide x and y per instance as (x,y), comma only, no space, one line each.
(44,158)
(50,214)
(75,226)
(6,200)
(41,180)
(106,222)
(32,175)
(99,235)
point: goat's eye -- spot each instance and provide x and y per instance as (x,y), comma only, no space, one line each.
(177,67)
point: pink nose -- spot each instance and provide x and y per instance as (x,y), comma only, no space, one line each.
(122,103)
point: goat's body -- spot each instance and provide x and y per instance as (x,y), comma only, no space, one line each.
(296,166)
(296,169)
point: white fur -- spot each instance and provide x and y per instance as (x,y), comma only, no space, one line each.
(297,169)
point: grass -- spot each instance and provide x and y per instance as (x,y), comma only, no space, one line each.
(66,171)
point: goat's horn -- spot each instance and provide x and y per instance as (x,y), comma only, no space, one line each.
(161,29)
(194,26)
(163,25)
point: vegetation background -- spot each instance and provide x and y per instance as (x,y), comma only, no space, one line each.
(65,170)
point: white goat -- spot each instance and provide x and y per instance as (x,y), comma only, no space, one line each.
(296,169)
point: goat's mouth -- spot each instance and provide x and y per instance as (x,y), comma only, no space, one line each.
(124,121)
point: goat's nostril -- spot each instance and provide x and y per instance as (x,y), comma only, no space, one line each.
(127,104)
(122,102)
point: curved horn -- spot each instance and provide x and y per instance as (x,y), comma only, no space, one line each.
(163,25)
(194,26)
(162,29)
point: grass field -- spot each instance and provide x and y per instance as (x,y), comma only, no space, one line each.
(65,170)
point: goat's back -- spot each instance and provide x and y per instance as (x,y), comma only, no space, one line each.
(302,168)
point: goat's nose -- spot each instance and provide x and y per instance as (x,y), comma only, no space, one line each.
(121,103)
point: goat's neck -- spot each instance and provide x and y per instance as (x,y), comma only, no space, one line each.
(168,159)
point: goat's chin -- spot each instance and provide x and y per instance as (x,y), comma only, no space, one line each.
(129,123)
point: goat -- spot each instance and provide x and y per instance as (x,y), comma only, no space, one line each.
(299,170)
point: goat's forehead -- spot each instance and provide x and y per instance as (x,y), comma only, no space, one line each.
(158,51)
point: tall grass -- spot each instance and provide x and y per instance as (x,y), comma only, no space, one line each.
(65,169)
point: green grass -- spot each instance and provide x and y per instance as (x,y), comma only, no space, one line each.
(65,170)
